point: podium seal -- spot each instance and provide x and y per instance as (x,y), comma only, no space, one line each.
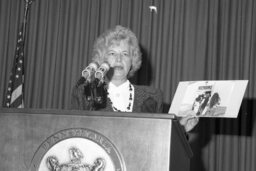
(77,149)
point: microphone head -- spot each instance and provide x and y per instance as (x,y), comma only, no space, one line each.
(89,70)
(102,70)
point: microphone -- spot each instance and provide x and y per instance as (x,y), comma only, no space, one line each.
(100,94)
(88,72)
(102,71)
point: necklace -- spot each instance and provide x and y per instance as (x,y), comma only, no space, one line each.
(130,101)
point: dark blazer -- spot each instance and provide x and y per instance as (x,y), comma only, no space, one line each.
(146,100)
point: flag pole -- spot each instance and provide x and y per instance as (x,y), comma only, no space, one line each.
(25,17)
(24,26)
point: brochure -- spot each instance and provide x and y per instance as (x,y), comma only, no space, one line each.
(208,98)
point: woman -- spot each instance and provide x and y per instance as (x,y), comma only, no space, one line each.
(119,47)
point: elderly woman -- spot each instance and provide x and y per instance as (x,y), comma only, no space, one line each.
(119,47)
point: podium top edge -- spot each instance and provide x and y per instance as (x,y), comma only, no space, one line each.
(87,113)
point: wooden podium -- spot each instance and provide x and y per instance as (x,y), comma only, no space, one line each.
(141,142)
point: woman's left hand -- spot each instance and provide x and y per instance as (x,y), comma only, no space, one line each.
(189,121)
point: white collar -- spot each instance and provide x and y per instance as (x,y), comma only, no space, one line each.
(121,96)
(122,87)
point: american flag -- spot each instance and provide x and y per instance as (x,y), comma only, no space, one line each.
(14,96)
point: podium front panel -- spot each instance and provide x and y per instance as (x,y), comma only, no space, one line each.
(142,143)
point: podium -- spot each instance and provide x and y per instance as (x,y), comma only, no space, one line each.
(49,140)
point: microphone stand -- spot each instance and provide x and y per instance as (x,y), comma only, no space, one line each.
(96,94)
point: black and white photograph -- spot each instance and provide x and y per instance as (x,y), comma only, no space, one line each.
(128,85)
